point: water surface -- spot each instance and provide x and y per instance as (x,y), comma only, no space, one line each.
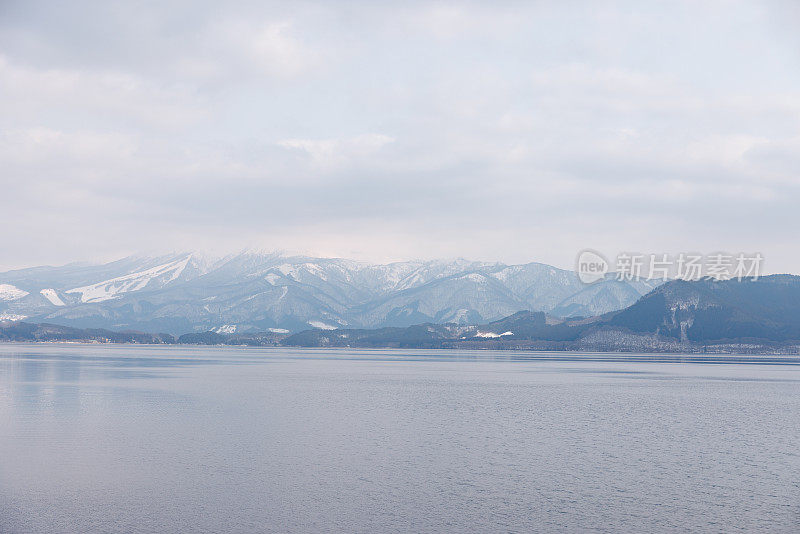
(150,439)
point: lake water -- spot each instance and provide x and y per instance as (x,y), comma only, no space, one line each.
(148,439)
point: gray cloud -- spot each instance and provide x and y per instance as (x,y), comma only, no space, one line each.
(506,132)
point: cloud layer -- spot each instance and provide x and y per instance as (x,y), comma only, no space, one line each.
(382,131)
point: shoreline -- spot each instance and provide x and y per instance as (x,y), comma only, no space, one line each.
(788,355)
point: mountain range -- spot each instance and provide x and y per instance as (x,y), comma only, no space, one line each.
(752,315)
(271,292)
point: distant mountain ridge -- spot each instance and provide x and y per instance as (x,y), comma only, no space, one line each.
(679,316)
(255,291)
(767,308)
(757,316)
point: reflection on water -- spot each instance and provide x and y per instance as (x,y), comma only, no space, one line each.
(157,439)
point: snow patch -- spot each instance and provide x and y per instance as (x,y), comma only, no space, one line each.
(293,271)
(287,270)
(52,296)
(9,292)
(321,325)
(278,330)
(316,270)
(493,335)
(113,288)
(226,329)
(11,317)
(501,275)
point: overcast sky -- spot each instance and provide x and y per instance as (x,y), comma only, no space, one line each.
(382,131)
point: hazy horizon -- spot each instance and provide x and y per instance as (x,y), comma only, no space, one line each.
(212,256)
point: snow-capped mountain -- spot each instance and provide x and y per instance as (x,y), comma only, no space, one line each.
(187,292)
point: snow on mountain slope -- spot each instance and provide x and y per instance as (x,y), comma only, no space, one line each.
(543,287)
(179,293)
(322,325)
(110,289)
(602,297)
(51,295)
(466,298)
(9,292)
(437,270)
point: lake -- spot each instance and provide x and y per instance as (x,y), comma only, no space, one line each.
(114,438)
